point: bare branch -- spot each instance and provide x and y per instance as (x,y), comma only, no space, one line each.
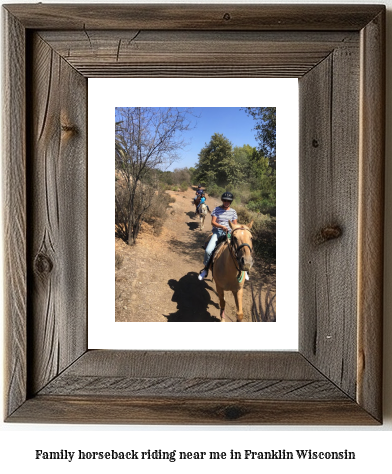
(147,139)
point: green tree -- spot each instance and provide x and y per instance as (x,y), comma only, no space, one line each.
(265,118)
(192,172)
(243,156)
(259,166)
(216,162)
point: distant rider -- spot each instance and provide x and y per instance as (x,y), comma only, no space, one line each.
(202,201)
(199,192)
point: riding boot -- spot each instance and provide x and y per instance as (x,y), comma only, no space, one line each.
(204,273)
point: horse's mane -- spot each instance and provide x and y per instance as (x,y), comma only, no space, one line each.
(218,250)
(241,226)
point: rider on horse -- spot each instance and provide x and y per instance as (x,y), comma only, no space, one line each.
(221,216)
(199,193)
(202,201)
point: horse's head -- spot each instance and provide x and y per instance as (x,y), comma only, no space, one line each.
(241,240)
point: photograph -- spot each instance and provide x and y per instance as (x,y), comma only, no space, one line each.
(195,214)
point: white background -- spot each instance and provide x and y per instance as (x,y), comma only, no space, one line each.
(104,96)
(372,445)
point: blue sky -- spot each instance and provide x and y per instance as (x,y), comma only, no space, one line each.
(232,122)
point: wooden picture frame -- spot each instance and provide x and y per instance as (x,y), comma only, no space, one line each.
(338,54)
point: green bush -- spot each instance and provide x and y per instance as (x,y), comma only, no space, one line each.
(215,191)
(263,231)
(264,206)
(244,215)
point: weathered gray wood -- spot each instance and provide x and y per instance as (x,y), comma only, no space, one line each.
(208,375)
(329,137)
(135,53)
(196,17)
(207,364)
(123,410)
(218,71)
(58,215)
(85,42)
(323,382)
(371,216)
(204,388)
(14,200)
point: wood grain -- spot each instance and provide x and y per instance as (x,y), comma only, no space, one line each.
(329,140)
(207,375)
(371,216)
(14,208)
(192,387)
(335,378)
(101,409)
(195,17)
(195,53)
(207,364)
(58,215)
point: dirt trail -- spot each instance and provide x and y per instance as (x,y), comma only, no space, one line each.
(157,280)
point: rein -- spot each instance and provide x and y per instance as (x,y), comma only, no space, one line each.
(234,253)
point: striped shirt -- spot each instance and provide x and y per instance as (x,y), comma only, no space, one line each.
(223,216)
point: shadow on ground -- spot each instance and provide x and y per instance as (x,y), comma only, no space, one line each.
(192,249)
(192,300)
(193,225)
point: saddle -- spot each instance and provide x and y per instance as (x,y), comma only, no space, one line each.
(221,239)
(220,245)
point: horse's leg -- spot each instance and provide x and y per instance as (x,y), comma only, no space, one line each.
(222,302)
(238,305)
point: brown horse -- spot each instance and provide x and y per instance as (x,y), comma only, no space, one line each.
(230,263)
(196,202)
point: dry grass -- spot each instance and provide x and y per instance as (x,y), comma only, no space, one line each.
(264,306)
(119,260)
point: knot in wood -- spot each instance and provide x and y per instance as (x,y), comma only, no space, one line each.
(232,412)
(328,233)
(43,264)
(68,128)
(315,143)
(227,16)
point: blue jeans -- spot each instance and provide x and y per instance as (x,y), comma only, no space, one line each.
(212,244)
